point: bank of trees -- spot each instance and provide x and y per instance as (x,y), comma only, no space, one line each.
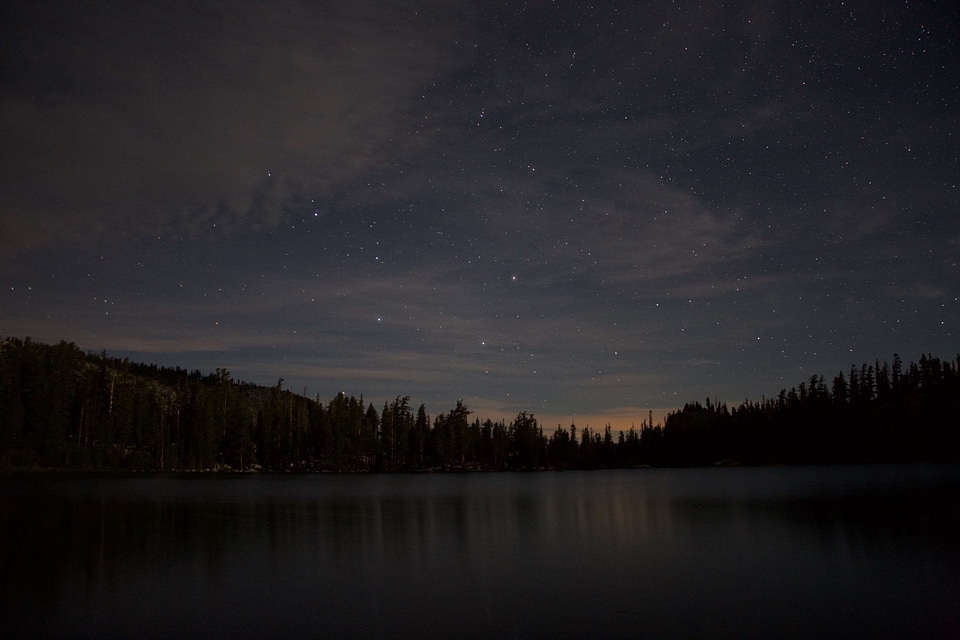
(874,413)
(62,408)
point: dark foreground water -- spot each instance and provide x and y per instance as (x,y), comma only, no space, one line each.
(870,552)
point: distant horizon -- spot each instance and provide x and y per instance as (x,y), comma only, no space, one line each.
(66,408)
(620,419)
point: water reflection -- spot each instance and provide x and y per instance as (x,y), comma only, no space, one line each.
(834,552)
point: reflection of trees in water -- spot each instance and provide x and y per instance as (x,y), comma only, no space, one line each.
(924,520)
(53,541)
(491,535)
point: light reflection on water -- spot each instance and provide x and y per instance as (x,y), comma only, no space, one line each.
(773,552)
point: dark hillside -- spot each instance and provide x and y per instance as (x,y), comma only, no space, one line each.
(62,408)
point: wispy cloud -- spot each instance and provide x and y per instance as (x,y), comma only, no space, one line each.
(155,120)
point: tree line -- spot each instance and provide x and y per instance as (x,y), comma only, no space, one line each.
(874,413)
(63,408)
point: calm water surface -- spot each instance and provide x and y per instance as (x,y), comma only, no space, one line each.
(869,552)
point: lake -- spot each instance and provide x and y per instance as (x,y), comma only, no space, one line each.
(788,552)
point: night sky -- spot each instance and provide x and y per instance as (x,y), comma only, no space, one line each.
(583,212)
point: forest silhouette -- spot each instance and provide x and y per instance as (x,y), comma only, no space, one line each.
(62,408)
